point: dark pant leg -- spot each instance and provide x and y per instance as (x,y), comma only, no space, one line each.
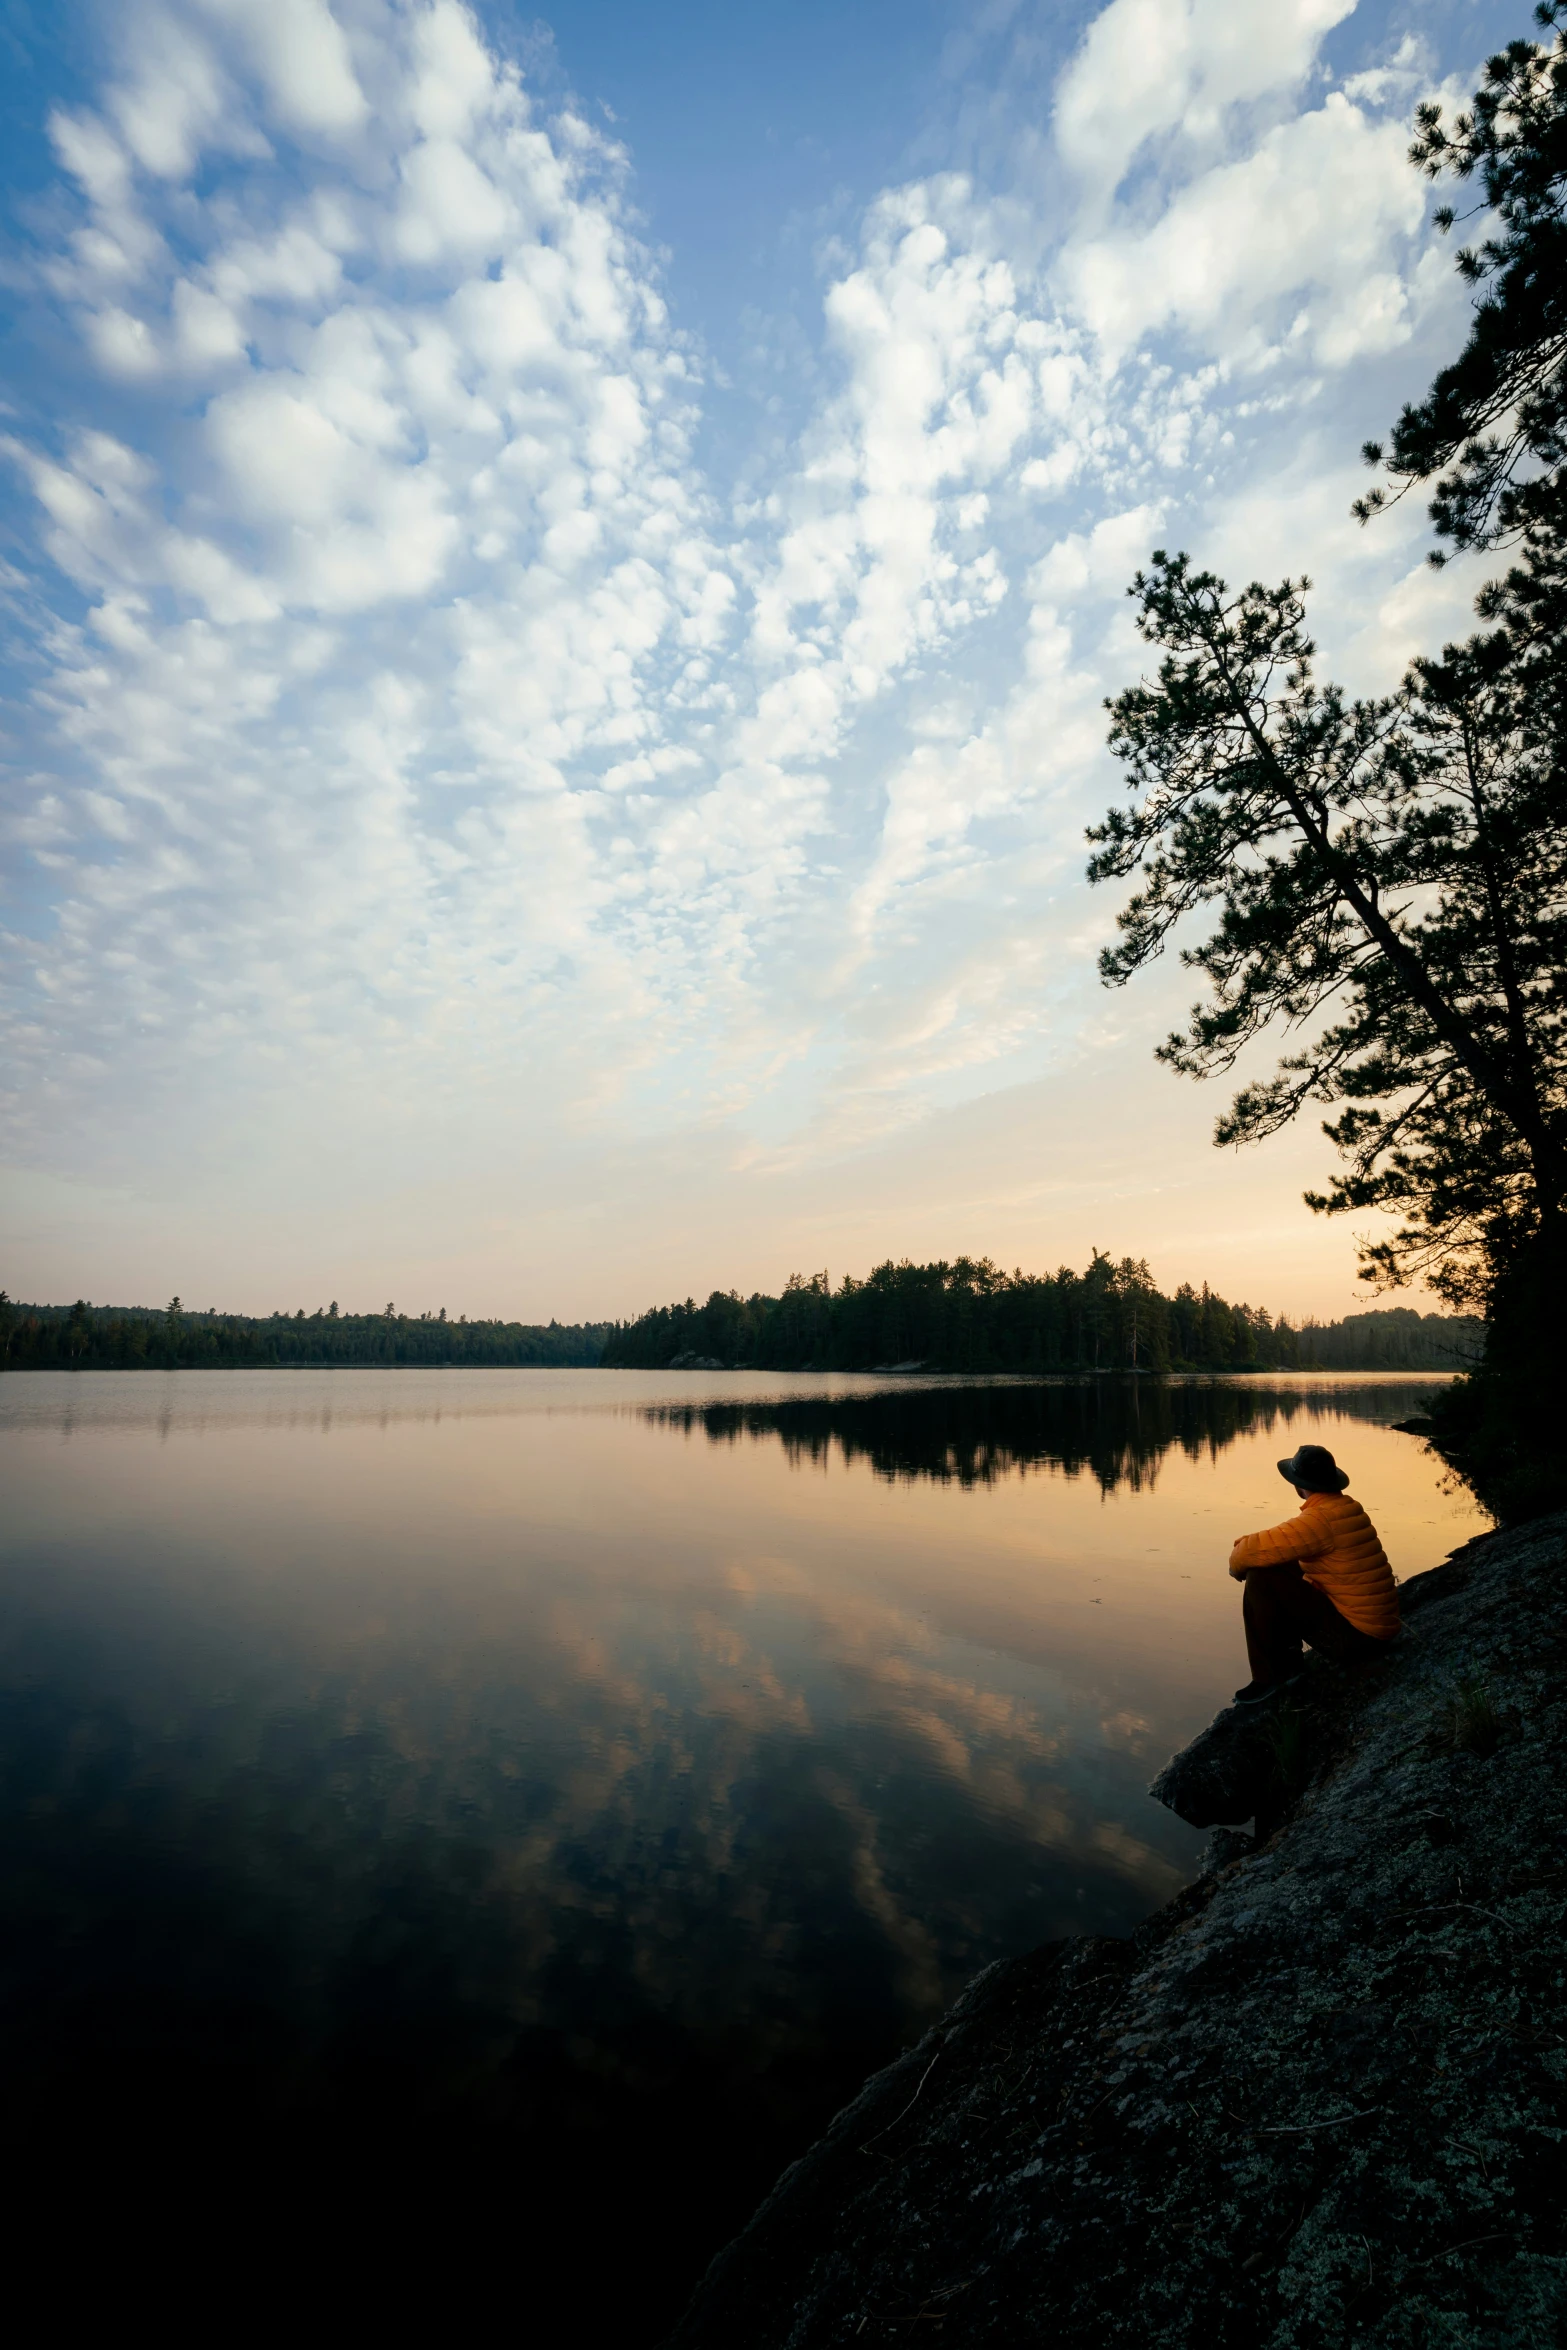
(1273,1637)
(1280,1609)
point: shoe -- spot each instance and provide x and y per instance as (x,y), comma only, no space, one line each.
(1259,1692)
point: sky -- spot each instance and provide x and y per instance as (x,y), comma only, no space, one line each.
(560,577)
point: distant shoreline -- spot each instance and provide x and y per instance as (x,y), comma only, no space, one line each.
(926,1371)
(963,1319)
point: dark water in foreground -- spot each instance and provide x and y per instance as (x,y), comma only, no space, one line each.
(498,1817)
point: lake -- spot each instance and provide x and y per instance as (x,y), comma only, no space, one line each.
(524,1805)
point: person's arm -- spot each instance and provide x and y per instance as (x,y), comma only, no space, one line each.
(1276,1546)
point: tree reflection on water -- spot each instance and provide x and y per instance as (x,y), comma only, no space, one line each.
(456,1784)
(975,1433)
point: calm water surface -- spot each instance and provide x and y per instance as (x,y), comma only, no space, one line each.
(551,1793)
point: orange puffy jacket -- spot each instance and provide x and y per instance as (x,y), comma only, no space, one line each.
(1337,1549)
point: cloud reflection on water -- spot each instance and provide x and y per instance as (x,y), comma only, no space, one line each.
(466,1755)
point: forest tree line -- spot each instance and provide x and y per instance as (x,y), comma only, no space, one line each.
(131,1338)
(964,1316)
(969,1315)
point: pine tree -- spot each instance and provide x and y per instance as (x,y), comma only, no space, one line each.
(1390,877)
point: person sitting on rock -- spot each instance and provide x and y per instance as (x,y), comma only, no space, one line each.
(1321,1577)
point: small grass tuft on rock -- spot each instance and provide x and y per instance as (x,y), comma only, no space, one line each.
(1474,1725)
(1287,1733)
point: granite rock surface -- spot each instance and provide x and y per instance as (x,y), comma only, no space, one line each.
(1319,2100)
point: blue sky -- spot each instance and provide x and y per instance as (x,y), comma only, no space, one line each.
(561,576)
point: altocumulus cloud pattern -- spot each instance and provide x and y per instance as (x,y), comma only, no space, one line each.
(410,715)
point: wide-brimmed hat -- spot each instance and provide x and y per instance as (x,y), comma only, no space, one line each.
(1313,1466)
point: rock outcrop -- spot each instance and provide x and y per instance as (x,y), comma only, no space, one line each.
(1319,2100)
(1253,1763)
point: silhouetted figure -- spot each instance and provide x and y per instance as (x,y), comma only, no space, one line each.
(1321,1578)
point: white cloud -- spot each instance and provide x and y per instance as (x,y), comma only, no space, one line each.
(1149,68)
(939,397)
(497,463)
(421,746)
(1298,243)
(174,100)
(302,56)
